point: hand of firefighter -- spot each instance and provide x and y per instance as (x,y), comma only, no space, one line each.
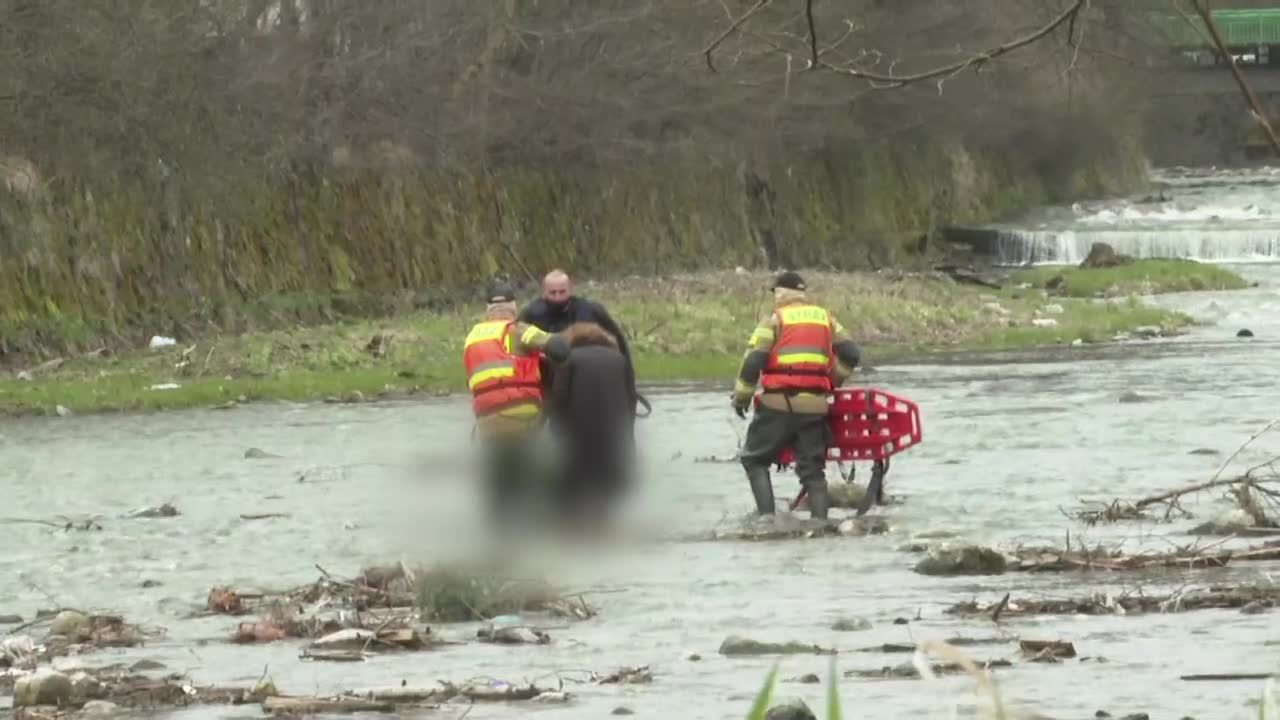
(741,404)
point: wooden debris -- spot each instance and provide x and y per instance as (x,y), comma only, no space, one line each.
(319,706)
(1047,650)
(628,676)
(1099,604)
(262,631)
(909,670)
(224,600)
(332,655)
(1228,676)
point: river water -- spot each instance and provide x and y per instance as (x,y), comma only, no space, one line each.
(1010,441)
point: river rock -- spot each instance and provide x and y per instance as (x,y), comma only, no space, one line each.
(790,710)
(1231,523)
(1246,332)
(850,625)
(1204,451)
(62,411)
(1053,309)
(254,453)
(1102,255)
(845,494)
(735,645)
(73,625)
(513,636)
(625,710)
(45,687)
(1147,331)
(868,525)
(1044,322)
(99,707)
(964,560)
(86,687)
(1129,397)
(10,619)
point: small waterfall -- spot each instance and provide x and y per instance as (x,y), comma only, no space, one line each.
(1030,247)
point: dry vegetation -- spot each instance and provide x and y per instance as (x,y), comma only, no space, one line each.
(176,167)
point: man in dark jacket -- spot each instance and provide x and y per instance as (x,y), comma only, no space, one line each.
(558,308)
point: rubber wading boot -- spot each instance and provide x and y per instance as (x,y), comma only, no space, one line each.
(762,489)
(818,501)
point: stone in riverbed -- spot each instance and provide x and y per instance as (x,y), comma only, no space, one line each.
(45,687)
(850,625)
(73,625)
(790,710)
(964,560)
(10,619)
(735,645)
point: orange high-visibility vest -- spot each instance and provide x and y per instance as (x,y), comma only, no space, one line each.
(802,357)
(498,379)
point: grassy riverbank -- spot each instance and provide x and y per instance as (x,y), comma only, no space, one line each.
(682,328)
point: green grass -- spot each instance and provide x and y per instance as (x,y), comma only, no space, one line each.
(681,328)
(1143,277)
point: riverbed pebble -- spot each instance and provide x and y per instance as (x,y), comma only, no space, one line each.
(45,687)
(790,710)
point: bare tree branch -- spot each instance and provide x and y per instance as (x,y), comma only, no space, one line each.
(760,5)
(813,34)
(895,81)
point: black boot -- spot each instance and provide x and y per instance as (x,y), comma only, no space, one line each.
(818,500)
(762,489)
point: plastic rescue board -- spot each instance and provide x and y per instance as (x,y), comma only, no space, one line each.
(866,424)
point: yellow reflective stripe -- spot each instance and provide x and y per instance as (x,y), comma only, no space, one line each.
(762,337)
(804,315)
(533,336)
(484,376)
(521,411)
(485,331)
(802,357)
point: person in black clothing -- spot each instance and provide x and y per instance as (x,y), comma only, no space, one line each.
(558,308)
(591,413)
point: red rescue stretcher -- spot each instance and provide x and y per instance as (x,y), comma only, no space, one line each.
(866,424)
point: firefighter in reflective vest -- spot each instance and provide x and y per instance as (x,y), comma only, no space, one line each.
(798,354)
(502,361)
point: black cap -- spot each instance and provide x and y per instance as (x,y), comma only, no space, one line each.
(790,280)
(501,292)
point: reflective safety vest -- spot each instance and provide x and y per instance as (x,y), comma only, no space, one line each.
(802,357)
(499,380)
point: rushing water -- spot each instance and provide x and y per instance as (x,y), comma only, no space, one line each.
(1210,215)
(1009,442)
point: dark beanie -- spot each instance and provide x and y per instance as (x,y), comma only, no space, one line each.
(501,292)
(790,280)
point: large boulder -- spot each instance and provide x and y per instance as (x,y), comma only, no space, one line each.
(1102,255)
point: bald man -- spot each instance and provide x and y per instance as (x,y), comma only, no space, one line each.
(558,308)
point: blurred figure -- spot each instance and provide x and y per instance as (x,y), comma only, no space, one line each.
(592,414)
(502,358)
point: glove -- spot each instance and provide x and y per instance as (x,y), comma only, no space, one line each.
(740,406)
